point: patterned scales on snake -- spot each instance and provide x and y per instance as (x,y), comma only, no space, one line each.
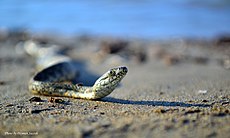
(54,68)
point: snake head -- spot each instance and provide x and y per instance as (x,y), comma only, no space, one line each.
(108,81)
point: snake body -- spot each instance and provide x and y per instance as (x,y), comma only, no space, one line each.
(54,68)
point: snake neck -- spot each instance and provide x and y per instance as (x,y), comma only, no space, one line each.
(100,91)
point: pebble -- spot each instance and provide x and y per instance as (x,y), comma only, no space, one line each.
(10,104)
(35,99)
(202,91)
(205,101)
(56,100)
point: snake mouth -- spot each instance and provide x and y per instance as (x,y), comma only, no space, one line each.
(121,71)
(124,69)
(118,72)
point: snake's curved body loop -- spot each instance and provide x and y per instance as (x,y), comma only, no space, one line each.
(55,68)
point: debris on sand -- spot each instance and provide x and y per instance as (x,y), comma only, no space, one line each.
(35,99)
(202,91)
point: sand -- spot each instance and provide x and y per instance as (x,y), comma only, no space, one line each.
(174,88)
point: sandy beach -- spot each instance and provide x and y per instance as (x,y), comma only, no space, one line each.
(174,88)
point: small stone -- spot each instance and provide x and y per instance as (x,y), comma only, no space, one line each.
(205,101)
(161,93)
(95,107)
(10,104)
(102,113)
(224,103)
(35,99)
(185,121)
(56,100)
(202,91)
(38,103)
(160,111)
(192,111)
(51,99)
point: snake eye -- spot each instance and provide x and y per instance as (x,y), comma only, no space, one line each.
(112,73)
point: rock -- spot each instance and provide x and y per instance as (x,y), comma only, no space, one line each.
(35,99)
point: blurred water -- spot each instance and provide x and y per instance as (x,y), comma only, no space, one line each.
(136,18)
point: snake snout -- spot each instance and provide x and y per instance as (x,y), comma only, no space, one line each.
(122,69)
(125,69)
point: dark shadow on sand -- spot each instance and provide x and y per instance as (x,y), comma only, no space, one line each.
(84,76)
(153,103)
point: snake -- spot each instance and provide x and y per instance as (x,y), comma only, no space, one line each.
(54,68)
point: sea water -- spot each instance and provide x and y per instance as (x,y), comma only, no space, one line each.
(135,18)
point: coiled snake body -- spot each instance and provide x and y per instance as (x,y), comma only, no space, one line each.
(55,68)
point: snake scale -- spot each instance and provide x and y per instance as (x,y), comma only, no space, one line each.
(55,68)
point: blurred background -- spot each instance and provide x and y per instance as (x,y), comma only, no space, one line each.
(130,18)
